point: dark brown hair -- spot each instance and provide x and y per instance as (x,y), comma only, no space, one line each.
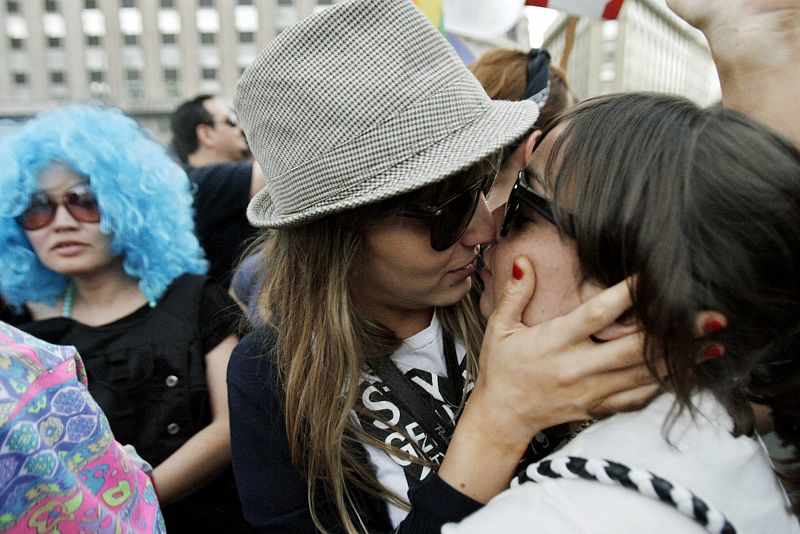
(704,206)
(184,122)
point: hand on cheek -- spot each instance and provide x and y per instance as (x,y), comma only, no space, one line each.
(553,372)
(535,377)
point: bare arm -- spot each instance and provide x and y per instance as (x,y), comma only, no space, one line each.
(208,452)
(756,47)
(533,378)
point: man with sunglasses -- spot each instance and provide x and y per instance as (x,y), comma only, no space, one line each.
(210,143)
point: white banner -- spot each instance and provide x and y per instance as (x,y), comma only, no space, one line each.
(608,9)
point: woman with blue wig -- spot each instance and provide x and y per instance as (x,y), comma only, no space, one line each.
(97,245)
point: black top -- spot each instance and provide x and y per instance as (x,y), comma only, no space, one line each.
(221,194)
(272,491)
(147,372)
(218,317)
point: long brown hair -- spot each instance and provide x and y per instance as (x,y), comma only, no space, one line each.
(704,206)
(324,341)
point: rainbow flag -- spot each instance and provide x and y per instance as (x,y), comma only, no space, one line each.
(607,9)
(433,10)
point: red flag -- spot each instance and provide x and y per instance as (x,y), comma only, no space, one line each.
(607,9)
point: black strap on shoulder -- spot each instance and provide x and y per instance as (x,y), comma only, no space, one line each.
(405,394)
(437,426)
(453,374)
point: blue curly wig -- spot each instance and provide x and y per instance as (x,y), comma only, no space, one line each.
(144,198)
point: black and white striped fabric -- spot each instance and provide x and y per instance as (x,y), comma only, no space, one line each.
(639,480)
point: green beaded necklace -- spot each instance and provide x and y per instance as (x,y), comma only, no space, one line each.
(66,309)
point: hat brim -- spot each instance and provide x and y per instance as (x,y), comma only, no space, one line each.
(502,123)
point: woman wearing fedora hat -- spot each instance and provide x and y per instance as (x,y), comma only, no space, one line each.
(380,147)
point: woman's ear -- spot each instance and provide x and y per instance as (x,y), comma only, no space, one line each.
(619,328)
(624,325)
(527,147)
(522,154)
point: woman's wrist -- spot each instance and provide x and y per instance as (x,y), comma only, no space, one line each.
(484,451)
(498,422)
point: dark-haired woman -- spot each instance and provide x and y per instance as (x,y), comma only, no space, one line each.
(703,206)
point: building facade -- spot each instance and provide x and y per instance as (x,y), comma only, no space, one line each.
(143,56)
(647,48)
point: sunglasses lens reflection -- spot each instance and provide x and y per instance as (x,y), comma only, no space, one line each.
(80,203)
(453,219)
(40,213)
(83,206)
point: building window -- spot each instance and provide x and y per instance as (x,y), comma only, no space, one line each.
(51,6)
(208,38)
(168,38)
(247,37)
(285,2)
(245,2)
(134,78)
(209,74)
(128,3)
(90,4)
(17,44)
(171,81)
(130,40)
(206,3)
(54,42)
(56,77)
(167,4)
(12,6)
(96,76)
(20,78)
(92,40)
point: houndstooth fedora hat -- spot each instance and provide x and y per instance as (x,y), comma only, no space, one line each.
(361,102)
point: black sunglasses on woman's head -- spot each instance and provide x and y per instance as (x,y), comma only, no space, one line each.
(449,220)
(523,192)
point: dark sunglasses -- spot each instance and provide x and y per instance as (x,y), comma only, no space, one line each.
(449,220)
(79,201)
(523,192)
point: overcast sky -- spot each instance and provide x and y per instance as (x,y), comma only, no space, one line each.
(539,19)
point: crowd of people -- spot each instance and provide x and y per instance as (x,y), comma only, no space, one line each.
(385,292)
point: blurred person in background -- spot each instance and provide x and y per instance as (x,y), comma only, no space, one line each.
(207,139)
(97,243)
(514,75)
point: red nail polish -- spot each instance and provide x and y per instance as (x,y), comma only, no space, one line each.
(516,273)
(713,325)
(712,352)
